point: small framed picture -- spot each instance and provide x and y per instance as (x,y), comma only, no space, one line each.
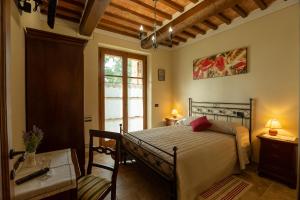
(161,75)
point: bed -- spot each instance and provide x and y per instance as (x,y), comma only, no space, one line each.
(192,161)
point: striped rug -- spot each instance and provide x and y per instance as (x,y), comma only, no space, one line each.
(230,188)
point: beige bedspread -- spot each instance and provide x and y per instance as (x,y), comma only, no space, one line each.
(203,157)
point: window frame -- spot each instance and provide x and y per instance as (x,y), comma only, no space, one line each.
(125,56)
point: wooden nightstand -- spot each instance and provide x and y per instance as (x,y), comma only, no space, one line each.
(278,159)
(171,121)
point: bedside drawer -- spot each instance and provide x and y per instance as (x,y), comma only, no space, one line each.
(276,148)
(277,154)
(278,159)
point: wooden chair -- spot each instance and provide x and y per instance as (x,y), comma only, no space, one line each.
(92,187)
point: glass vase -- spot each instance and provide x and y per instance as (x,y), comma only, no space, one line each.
(30,160)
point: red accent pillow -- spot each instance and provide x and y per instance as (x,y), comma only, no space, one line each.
(200,124)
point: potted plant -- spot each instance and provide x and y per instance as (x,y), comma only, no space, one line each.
(32,139)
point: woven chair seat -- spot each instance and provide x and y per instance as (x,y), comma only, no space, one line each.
(92,187)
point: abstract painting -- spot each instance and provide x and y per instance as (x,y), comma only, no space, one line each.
(229,63)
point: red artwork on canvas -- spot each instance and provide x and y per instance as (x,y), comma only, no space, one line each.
(223,64)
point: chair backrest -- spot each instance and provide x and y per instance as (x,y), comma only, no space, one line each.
(114,152)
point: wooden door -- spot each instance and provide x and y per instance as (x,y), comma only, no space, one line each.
(5,144)
(54,90)
(122,91)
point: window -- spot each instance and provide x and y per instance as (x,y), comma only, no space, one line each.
(122,89)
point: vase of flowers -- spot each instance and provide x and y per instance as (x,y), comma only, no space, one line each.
(32,139)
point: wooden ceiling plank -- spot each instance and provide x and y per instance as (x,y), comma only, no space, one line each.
(188,34)
(119,17)
(150,8)
(223,18)
(92,14)
(109,22)
(210,24)
(173,5)
(239,10)
(198,13)
(150,19)
(198,29)
(261,4)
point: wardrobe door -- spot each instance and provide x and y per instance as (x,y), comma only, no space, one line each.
(54,90)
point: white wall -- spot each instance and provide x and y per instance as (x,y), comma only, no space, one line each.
(158,92)
(273,77)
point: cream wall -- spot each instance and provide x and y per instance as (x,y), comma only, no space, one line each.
(158,92)
(273,78)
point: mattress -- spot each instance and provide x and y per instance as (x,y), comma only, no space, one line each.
(203,158)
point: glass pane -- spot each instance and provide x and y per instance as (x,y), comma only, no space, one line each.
(135,104)
(112,65)
(113,103)
(135,68)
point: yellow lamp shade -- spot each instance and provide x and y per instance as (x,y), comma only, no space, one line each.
(273,124)
(174,113)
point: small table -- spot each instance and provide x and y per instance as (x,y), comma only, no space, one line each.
(59,183)
(278,158)
(171,121)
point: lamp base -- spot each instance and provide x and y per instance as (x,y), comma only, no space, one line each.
(273,132)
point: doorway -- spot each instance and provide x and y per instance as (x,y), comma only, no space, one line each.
(122,90)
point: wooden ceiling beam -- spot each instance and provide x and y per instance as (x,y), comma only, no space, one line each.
(198,29)
(210,24)
(240,11)
(116,30)
(64,16)
(188,34)
(145,17)
(261,4)
(93,12)
(119,17)
(179,38)
(223,18)
(194,1)
(173,5)
(74,2)
(151,8)
(167,43)
(64,9)
(198,13)
(109,22)
(173,42)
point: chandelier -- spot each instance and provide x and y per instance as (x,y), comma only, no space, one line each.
(155,33)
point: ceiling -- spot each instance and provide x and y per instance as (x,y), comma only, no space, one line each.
(126,16)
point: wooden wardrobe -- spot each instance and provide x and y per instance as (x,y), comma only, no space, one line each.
(54,90)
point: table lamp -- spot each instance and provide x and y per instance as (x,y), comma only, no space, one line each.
(273,125)
(174,113)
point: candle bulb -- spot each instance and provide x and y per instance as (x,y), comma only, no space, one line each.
(170,30)
(153,38)
(141,28)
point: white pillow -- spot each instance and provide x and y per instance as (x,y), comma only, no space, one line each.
(186,121)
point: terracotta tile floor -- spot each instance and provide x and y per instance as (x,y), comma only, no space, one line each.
(135,182)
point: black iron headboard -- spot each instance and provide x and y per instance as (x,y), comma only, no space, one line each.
(224,111)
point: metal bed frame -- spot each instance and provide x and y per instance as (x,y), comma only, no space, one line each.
(217,110)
